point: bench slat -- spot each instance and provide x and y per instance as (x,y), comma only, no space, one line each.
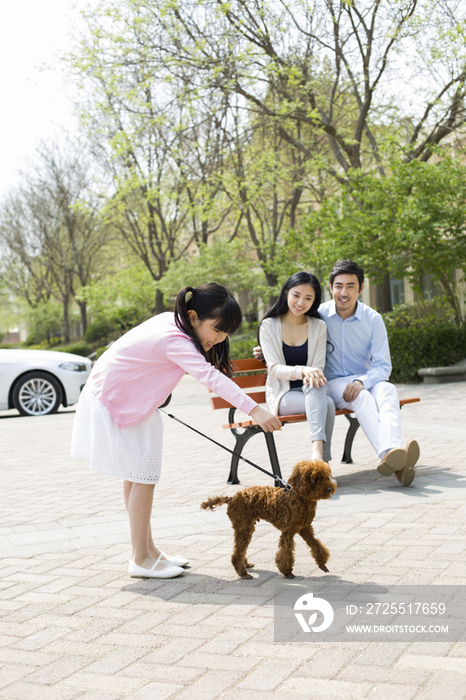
(248,365)
(218,402)
(249,382)
(300,417)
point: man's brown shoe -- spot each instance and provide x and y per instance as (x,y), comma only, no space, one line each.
(407,474)
(394,461)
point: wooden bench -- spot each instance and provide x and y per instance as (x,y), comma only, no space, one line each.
(251,374)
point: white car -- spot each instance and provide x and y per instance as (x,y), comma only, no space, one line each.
(36,382)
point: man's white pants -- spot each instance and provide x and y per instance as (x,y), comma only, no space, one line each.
(377,410)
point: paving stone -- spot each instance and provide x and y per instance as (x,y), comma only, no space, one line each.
(161,691)
(158,672)
(210,686)
(328,689)
(434,663)
(389,691)
(22,690)
(328,663)
(57,671)
(269,675)
(444,685)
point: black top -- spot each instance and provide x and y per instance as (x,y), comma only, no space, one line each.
(295,355)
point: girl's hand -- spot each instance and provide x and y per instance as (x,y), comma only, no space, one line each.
(267,421)
(313,377)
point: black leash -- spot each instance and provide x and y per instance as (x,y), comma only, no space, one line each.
(285,484)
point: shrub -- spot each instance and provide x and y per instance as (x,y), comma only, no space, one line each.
(423,314)
(411,348)
(241,344)
(99,330)
(77,349)
(45,344)
(30,340)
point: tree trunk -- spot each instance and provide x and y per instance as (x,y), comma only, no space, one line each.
(159,305)
(66,319)
(382,297)
(83,310)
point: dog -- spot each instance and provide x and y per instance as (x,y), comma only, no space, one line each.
(292,512)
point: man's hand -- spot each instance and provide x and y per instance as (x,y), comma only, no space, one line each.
(352,390)
(257,352)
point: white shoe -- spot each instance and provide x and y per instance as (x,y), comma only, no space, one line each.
(168,570)
(176,560)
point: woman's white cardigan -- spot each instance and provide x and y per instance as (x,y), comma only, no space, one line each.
(279,374)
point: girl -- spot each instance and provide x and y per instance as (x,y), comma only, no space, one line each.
(117,424)
(293,339)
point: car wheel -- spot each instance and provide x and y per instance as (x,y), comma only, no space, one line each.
(37,394)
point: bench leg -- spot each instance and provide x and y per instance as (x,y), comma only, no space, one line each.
(241,440)
(352,430)
(269,439)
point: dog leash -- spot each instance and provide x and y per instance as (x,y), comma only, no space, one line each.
(284,484)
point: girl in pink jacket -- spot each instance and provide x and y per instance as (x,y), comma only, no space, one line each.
(117,424)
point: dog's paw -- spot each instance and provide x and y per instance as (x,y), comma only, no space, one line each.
(288,575)
(246,576)
(249,566)
(324,568)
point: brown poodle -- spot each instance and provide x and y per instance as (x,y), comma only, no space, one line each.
(289,511)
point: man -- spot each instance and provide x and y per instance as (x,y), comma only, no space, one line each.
(357,369)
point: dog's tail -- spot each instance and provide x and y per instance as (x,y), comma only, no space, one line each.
(211,503)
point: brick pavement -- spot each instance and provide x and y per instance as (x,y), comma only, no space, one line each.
(74,625)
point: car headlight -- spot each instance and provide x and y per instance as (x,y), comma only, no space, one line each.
(74,366)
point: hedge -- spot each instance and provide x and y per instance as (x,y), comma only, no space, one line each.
(76,349)
(413,348)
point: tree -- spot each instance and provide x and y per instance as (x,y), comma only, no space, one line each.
(329,65)
(226,262)
(53,233)
(316,75)
(124,298)
(413,219)
(163,154)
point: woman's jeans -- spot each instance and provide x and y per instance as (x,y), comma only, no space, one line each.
(319,409)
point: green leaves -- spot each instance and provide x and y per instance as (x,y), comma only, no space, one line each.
(412,221)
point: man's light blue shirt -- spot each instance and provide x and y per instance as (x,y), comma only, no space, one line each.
(360,345)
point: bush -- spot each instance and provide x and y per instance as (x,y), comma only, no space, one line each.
(241,344)
(100,351)
(44,344)
(411,348)
(424,314)
(30,340)
(99,330)
(77,349)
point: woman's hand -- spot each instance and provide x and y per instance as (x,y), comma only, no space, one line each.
(313,377)
(267,421)
(257,352)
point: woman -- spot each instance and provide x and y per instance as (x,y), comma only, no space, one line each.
(293,339)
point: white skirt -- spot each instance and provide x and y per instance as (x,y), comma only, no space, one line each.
(133,453)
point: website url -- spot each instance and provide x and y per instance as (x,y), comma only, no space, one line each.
(397,629)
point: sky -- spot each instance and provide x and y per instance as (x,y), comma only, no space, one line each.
(34,100)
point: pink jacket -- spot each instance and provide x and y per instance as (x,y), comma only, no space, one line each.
(137,373)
